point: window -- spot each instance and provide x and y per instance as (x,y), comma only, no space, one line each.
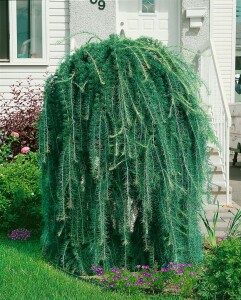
(4,31)
(148,6)
(23,31)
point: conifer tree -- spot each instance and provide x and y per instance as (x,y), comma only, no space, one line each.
(123,142)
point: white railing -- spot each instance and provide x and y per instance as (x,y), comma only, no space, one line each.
(214,97)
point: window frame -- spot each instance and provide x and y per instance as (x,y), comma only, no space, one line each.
(13,59)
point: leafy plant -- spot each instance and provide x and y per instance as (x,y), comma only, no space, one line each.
(6,149)
(20,203)
(222,272)
(116,191)
(211,230)
(233,228)
(235,224)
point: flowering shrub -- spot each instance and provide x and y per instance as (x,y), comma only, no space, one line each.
(19,116)
(175,278)
(20,234)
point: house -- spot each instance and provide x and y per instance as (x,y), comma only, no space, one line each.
(35,35)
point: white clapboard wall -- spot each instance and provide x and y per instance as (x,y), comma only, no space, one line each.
(223,34)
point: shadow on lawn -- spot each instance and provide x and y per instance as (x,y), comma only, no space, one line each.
(30,247)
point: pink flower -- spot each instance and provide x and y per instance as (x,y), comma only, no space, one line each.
(15,134)
(25,150)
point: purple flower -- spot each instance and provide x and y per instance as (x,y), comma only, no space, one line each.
(112,285)
(154,279)
(20,234)
(176,288)
(100,273)
(94,268)
(126,278)
(145,267)
(136,283)
(182,283)
(181,265)
(192,274)
(123,268)
(189,265)
(138,266)
(148,283)
(134,275)
(155,269)
(180,272)
(164,270)
(115,279)
(128,284)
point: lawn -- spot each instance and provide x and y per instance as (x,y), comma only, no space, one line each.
(26,275)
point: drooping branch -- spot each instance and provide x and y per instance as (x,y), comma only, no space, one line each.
(123,142)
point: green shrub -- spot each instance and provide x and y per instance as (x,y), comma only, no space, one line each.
(6,153)
(221,278)
(20,194)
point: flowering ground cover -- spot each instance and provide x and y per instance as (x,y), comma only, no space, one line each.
(175,279)
(26,275)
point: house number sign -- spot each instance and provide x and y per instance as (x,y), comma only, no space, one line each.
(101,3)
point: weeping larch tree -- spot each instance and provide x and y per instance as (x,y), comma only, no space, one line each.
(123,142)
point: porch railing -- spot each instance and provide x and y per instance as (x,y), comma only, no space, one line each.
(214,98)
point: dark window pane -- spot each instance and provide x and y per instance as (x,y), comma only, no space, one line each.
(238,63)
(238,23)
(23,28)
(4,30)
(29,28)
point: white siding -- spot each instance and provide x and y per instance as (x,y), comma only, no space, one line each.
(223,31)
(58,30)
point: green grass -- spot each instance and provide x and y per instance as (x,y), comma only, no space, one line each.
(25,275)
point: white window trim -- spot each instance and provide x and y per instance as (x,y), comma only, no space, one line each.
(13,59)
